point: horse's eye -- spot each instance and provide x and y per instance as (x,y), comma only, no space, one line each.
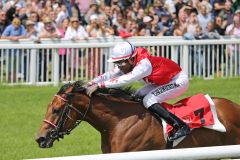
(56,111)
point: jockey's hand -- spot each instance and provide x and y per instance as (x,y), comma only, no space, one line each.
(91,89)
(88,84)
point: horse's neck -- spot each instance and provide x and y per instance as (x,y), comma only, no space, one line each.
(106,114)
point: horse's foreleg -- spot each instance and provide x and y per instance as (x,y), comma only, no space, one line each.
(105,146)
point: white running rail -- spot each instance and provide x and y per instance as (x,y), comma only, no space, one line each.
(218,152)
(55,61)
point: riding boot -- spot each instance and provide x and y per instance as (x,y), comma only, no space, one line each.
(181,127)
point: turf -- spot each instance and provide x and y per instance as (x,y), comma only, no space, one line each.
(23,109)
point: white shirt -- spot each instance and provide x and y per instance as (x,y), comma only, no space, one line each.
(72,34)
(117,78)
(236,31)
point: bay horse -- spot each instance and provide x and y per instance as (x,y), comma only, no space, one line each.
(124,124)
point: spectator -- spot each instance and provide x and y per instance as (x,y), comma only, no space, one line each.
(62,51)
(38,26)
(156,26)
(139,18)
(235,5)
(36,4)
(52,16)
(180,25)
(165,26)
(75,31)
(204,17)
(49,30)
(142,32)
(148,30)
(234,28)
(14,31)
(10,9)
(75,11)
(212,53)
(115,9)
(234,50)
(93,10)
(200,34)
(63,28)
(192,24)
(220,26)
(108,13)
(2,21)
(31,32)
(227,13)
(218,5)
(93,27)
(159,8)
(84,6)
(105,29)
(212,33)
(169,5)
(205,3)
(48,6)
(151,11)
(118,21)
(61,15)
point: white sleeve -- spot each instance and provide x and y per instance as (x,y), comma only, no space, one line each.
(141,70)
(108,75)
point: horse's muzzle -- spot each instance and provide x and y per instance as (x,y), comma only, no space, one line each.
(44,142)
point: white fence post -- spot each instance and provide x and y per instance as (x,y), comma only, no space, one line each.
(174,53)
(33,64)
(185,58)
(55,67)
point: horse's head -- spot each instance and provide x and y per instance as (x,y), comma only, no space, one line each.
(62,116)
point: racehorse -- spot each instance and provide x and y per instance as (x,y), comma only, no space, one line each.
(124,124)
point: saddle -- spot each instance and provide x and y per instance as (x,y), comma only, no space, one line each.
(196,111)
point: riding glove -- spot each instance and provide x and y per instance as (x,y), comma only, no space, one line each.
(88,84)
(91,89)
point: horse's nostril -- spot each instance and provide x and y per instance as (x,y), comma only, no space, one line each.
(40,139)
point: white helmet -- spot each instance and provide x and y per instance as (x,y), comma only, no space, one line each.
(121,51)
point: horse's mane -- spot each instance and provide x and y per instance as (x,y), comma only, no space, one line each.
(65,87)
(126,92)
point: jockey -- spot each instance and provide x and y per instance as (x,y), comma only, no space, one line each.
(163,78)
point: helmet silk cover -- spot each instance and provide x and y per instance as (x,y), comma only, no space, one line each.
(122,51)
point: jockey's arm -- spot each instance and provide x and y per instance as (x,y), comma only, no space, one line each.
(141,70)
(108,75)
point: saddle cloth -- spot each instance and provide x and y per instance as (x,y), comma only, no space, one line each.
(197,111)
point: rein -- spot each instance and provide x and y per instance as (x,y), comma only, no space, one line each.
(56,133)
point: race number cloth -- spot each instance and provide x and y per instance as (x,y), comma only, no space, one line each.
(194,110)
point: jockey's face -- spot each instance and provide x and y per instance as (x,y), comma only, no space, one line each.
(126,66)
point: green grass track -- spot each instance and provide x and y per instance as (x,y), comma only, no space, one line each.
(22,109)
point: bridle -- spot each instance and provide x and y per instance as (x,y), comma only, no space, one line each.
(56,133)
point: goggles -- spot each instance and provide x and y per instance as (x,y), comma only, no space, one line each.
(121,63)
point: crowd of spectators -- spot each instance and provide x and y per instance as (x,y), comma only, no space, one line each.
(80,19)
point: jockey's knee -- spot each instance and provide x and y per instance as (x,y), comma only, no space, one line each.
(149,100)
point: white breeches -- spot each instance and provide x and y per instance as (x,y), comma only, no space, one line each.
(156,94)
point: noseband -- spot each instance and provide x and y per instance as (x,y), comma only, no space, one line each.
(56,133)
